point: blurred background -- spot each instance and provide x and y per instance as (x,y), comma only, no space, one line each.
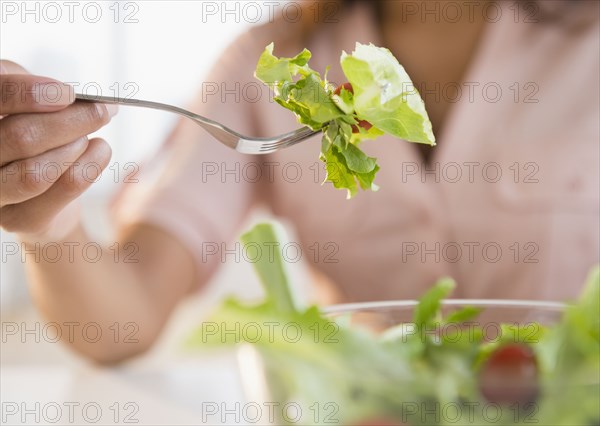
(162,50)
(155,50)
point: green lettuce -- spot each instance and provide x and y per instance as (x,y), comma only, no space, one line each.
(352,374)
(295,360)
(383,95)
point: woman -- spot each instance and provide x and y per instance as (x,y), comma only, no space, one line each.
(507,203)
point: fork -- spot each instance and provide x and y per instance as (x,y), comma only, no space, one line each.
(228,137)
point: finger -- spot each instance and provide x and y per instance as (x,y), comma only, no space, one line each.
(34,216)
(28,135)
(21,93)
(10,67)
(25,179)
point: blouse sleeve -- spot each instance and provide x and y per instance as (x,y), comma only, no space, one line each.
(195,189)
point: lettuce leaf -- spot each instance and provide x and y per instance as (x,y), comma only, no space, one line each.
(383,95)
(314,343)
(428,310)
(569,357)
(325,362)
(272,70)
(270,267)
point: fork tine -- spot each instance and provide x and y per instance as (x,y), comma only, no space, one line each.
(266,146)
(295,138)
(283,143)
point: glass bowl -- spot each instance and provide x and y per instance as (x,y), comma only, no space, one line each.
(380,316)
(268,391)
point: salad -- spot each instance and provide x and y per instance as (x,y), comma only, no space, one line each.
(359,377)
(378,98)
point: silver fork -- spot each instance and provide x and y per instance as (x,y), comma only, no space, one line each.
(226,136)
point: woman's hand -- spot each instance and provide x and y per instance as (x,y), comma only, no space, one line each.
(46,159)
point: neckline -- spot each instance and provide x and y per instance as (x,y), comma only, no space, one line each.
(471,73)
(362,25)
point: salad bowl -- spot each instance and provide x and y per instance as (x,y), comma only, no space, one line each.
(433,361)
(500,323)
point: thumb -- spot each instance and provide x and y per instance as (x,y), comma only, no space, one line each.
(9,67)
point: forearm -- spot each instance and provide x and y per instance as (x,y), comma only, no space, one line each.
(104,308)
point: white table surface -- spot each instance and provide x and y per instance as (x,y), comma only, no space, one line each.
(171,395)
(167,386)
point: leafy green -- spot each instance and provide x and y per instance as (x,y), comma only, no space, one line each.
(381,98)
(272,70)
(351,374)
(384,95)
(269,265)
(313,343)
(569,355)
(347,166)
(428,309)
(463,315)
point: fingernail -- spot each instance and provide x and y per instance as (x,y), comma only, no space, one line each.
(112,109)
(106,109)
(80,141)
(52,94)
(78,145)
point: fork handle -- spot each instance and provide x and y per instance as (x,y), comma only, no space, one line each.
(145,104)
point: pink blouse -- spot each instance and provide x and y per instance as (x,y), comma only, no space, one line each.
(508,206)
